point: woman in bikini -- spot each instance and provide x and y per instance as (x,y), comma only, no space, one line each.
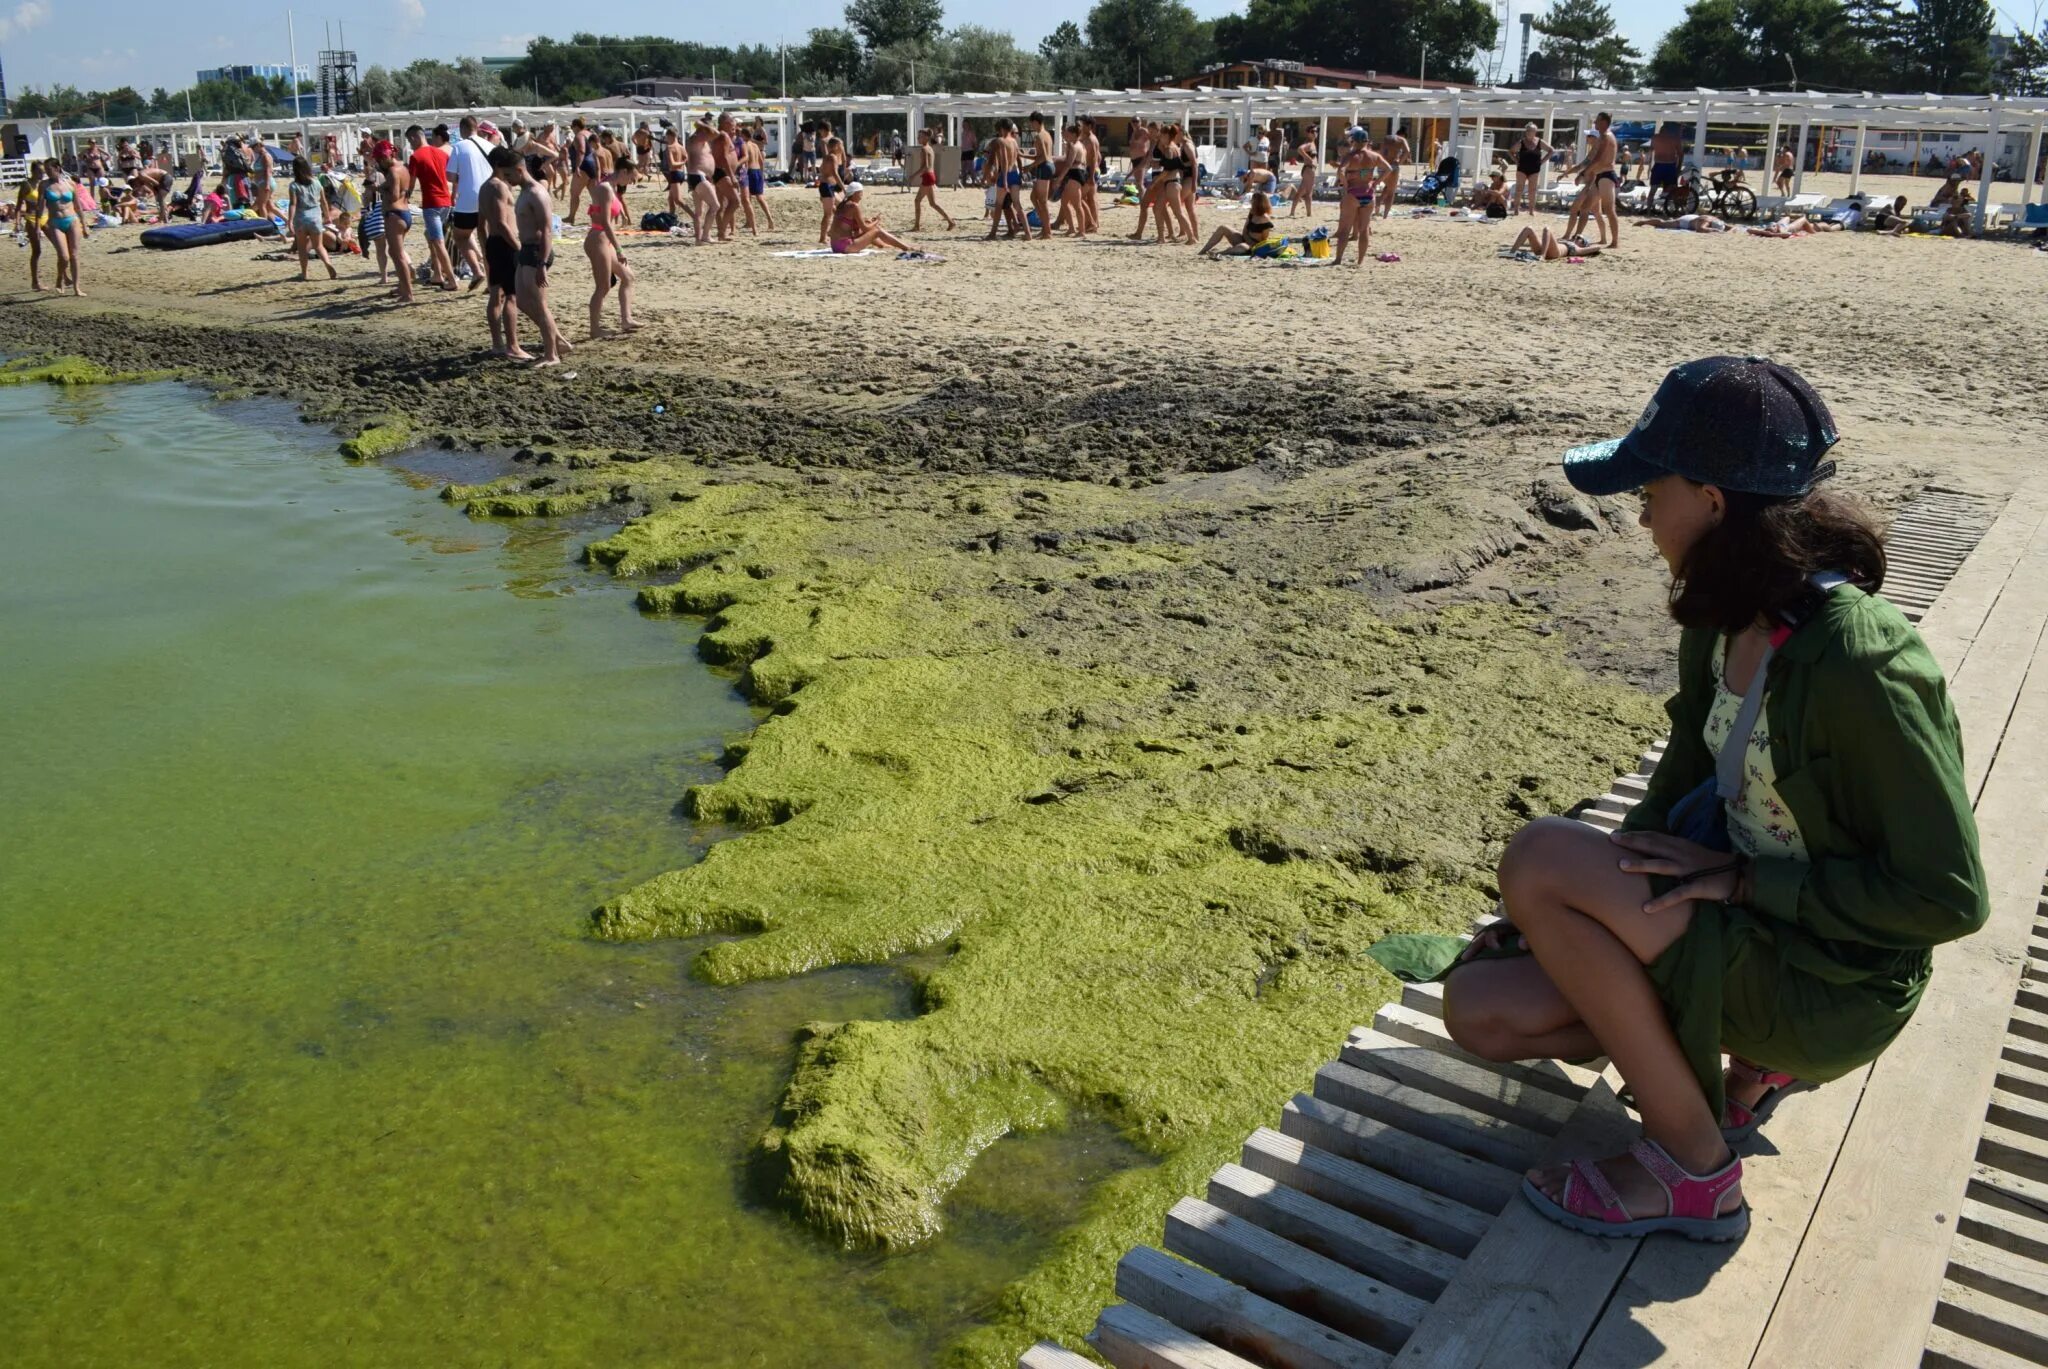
(1190,185)
(601,244)
(28,213)
(1547,246)
(1163,195)
(1805,842)
(63,222)
(370,228)
(1070,184)
(928,181)
(1258,227)
(1303,196)
(853,232)
(1360,175)
(308,219)
(397,198)
(831,176)
(1144,144)
(1529,155)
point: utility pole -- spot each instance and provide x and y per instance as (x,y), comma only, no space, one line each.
(1422,76)
(292,41)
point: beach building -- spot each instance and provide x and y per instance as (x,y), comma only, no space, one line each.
(260,71)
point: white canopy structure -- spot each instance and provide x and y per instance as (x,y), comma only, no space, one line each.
(1468,115)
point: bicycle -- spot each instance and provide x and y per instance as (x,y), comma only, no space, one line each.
(1724,195)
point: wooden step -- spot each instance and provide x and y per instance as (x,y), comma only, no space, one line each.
(1986,1317)
(1298,1279)
(1947,1350)
(2016,1112)
(2022,1080)
(1129,1337)
(1473,1085)
(2022,1234)
(1567,1081)
(2016,1152)
(1457,1176)
(1424,1114)
(1427,999)
(1419,1270)
(1047,1355)
(1393,1204)
(1240,1321)
(2002,1273)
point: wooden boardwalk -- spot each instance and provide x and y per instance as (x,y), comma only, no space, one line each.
(1900,1214)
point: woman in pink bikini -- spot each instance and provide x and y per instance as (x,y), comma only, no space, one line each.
(1360,174)
(601,244)
(853,231)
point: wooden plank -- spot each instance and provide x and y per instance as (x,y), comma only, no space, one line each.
(1471,1084)
(1424,1114)
(1398,1206)
(2022,1080)
(1993,1269)
(1048,1355)
(2017,1112)
(1129,1337)
(1391,1150)
(1398,1261)
(2011,1231)
(1428,998)
(1530,1290)
(2028,1025)
(2024,1200)
(1947,1350)
(1297,1279)
(1689,1303)
(1987,679)
(1862,1289)
(1240,1321)
(1991,1319)
(2015,1152)
(1951,627)
(1567,1081)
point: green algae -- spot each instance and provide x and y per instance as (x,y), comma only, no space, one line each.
(70,371)
(1152,888)
(549,505)
(387,435)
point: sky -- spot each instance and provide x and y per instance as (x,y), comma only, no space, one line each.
(104,44)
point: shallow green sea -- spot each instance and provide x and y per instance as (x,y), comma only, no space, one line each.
(307,785)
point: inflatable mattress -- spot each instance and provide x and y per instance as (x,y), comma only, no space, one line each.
(206,234)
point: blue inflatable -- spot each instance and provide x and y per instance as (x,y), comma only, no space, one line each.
(177,235)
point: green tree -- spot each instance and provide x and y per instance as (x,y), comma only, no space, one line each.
(1775,43)
(1876,40)
(1951,44)
(1581,46)
(1068,59)
(1135,41)
(893,23)
(2024,71)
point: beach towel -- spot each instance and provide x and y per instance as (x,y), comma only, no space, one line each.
(828,252)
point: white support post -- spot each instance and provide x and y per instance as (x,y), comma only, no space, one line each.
(1549,132)
(1856,171)
(1799,158)
(915,122)
(1699,138)
(1770,148)
(1074,108)
(850,150)
(1463,170)
(1990,158)
(1315,173)
(2033,161)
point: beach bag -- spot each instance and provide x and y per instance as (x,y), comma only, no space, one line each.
(1319,245)
(657,223)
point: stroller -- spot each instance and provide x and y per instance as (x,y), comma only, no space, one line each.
(1439,185)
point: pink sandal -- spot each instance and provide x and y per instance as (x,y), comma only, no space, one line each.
(1740,1122)
(1692,1202)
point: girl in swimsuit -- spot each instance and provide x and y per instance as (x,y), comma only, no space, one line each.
(928,182)
(309,219)
(1303,196)
(582,165)
(853,231)
(1190,185)
(397,199)
(370,230)
(1069,182)
(831,169)
(1163,195)
(601,245)
(28,212)
(1258,227)
(1529,155)
(61,223)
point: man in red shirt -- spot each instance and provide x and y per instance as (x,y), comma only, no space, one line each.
(429,166)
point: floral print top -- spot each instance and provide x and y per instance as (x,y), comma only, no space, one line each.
(1758,821)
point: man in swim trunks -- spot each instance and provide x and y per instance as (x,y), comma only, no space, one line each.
(499,230)
(724,179)
(1667,149)
(927,161)
(1038,164)
(469,170)
(1782,171)
(1360,171)
(697,176)
(754,171)
(1089,150)
(1005,176)
(672,171)
(533,216)
(1394,152)
(1597,174)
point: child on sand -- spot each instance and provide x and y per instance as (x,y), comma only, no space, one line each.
(1805,842)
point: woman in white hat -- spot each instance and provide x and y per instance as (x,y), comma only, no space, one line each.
(853,231)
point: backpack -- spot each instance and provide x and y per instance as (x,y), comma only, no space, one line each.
(657,223)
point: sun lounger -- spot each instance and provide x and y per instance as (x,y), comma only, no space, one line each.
(2032,218)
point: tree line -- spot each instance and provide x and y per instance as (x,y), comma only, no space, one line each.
(889,46)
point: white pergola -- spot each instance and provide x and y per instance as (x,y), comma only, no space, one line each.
(1470,114)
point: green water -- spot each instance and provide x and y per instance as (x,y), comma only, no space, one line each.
(307,783)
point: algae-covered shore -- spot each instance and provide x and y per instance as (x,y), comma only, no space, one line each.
(1139,717)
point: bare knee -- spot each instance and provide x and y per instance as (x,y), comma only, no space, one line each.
(1476,1023)
(1540,857)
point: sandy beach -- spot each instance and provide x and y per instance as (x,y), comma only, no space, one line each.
(1136,636)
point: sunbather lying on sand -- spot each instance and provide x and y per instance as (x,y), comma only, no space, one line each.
(1549,247)
(1692,223)
(1794,228)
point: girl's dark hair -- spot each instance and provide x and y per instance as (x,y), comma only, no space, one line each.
(302,171)
(1754,564)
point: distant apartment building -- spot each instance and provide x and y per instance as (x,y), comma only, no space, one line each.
(256,72)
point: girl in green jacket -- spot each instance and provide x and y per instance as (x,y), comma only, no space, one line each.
(1805,841)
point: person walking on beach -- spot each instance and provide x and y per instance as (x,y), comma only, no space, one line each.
(262,173)
(428,165)
(63,222)
(1089,152)
(724,178)
(1667,150)
(1394,151)
(1782,171)
(28,213)
(499,232)
(534,215)
(1006,178)
(1359,175)
(703,196)
(396,196)
(1530,151)
(469,170)
(672,172)
(1038,163)
(1805,842)
(752,157)
(1303,196)
(308,219)
(1596,202)
(582,160)
(833,175)
(608,266)
(928,182)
